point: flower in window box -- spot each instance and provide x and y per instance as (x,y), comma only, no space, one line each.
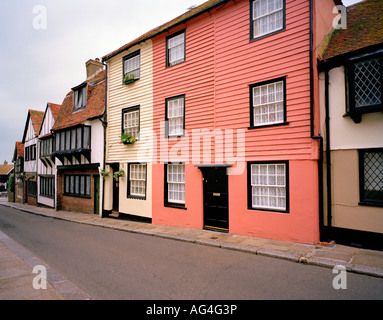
(127,138)
(129,78)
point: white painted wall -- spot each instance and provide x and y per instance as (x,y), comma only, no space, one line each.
(46,127)
(30,139)
(345,134)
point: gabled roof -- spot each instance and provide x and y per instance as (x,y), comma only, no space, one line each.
(6,169)
(37,118)
(191,13)
(19,151)
(364,29)
(55,109)
(94,108)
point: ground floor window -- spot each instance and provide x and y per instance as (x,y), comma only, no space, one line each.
(175,184)
(32,188)
(47,187)
(77,185)
(371,176)
(137,180)
(268,186)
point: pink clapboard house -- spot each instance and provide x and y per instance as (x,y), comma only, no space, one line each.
(235,116)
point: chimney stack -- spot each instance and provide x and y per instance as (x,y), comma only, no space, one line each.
(5,162)
(93,67)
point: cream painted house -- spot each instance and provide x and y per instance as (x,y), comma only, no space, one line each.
(351,85)
(129,112)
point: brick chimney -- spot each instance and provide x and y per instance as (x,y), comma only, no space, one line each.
(93,67)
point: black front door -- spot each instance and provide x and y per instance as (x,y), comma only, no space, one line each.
(216,200)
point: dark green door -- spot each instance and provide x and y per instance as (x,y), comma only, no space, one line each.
(216,200)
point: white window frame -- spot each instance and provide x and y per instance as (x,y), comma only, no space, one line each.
(175,115)
(176,183)
(268,103)
(80,98)
(132,65)
(131,121)
(269,186)
(137,180)
(176,49)
(265,14)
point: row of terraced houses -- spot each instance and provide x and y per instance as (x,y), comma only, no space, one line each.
(260,118)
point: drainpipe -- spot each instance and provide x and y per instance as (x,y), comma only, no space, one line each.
(104,125)
(313,136)
(328,151)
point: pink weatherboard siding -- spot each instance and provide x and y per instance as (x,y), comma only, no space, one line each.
(221,63)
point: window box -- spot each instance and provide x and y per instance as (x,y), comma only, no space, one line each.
(130,78)
(127,138)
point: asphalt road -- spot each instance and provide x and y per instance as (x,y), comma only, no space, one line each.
(109,264)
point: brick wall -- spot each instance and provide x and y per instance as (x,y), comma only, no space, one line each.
(75,203)
(31,200)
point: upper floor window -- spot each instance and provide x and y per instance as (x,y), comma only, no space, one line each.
(268,103)
(175,116)
(30,153)
(175,49)
(364,85)
(77,138)
(132,67)
(267,17)
(46,147)
(79,98)
(131,121)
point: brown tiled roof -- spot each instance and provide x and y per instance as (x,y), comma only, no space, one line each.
(94,108)
(184,17)
(5,169)
(364,29)
(19,151)
(55,108)
(37,119)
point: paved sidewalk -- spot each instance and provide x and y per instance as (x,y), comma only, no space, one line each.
(17,276)
(368,262)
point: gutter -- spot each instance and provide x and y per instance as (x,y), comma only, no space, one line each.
(312,133)
(161,30)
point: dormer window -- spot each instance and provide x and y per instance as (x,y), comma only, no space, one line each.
(79,98)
